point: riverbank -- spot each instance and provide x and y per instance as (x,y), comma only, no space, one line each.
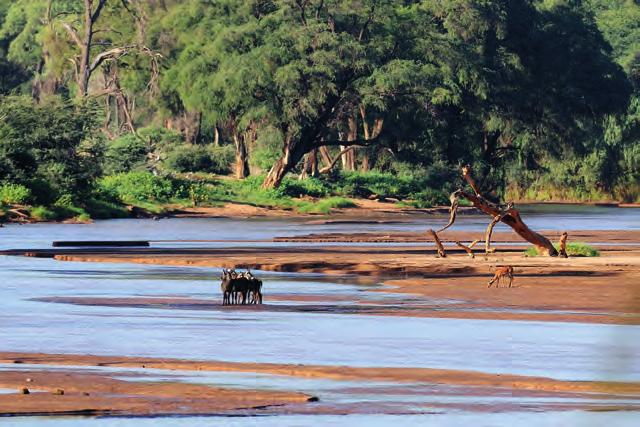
(119,386)
(360,209)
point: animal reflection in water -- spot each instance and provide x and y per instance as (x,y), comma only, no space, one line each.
(240,288)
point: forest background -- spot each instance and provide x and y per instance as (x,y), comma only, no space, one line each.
(109,107)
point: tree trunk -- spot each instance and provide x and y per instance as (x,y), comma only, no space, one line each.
(292,153)
(369,154)
(325,155)
(310,166)
(313,163)
(242,161)
(85,51)
(512,218)
(349,157)
(216,136)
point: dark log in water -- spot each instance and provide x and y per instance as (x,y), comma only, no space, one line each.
(99,243)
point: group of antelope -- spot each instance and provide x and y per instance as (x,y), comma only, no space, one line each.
(240,288)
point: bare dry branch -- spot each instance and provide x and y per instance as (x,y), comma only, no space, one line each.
(441,252)
(73,33)
(115,53)
(468,249)
(487,236)
(453,210)
(333,162)
(466,173)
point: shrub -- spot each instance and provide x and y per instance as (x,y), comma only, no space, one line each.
(124,154)
(311,186)
(429,197)
(138,186)
(83,217)
(41,213)
(160,138)
(325,206)
(105,209)
(14,194)
(65,207)
(195,158)
(577,249)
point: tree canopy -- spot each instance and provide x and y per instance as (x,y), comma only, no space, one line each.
(525,90)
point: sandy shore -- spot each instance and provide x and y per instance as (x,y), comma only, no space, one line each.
(72,392)
(397,375)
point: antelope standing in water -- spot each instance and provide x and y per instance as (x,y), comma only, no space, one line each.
(506,271)
(240,288)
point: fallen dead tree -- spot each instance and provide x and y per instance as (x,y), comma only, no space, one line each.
(508,215)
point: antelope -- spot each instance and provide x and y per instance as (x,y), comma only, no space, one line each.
(240,288)
(505,271)
(225,287)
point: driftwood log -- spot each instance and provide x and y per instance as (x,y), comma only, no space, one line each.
(508,215)
(468,249)
(441,252)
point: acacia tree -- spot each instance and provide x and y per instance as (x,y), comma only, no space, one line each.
(535,78)
(306,69)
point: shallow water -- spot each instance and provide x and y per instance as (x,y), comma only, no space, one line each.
(559,350)
(436,419)
(552,349)
(547,217)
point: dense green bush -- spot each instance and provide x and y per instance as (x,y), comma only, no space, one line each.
(48,147)
(139,186)
(198,158)
(42,213)
(14,194)
(325,206)
(577,249)
(125,154)
(310,186)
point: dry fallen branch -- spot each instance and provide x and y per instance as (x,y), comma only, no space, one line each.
(436,239)
(468,249)
(453,210)
(510,216)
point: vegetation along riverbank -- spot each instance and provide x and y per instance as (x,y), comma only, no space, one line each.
(540,98)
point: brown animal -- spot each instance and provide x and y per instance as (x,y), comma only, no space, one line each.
(506,271)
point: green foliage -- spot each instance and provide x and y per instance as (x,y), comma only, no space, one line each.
(312,187)
(14,194)
(140,186)
(325,206)
(545,94)
(426,186)
(197,158)
(577,249)
(42,213)
(126,153)
(48,147)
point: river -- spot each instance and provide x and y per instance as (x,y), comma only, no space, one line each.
(570,351)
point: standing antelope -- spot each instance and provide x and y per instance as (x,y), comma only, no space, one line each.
(240,288)
(506,271)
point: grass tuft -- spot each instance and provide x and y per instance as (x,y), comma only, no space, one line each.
(577,249)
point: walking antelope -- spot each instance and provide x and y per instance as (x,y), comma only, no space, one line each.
(505,271)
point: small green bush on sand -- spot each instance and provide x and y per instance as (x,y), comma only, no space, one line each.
(577,249)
